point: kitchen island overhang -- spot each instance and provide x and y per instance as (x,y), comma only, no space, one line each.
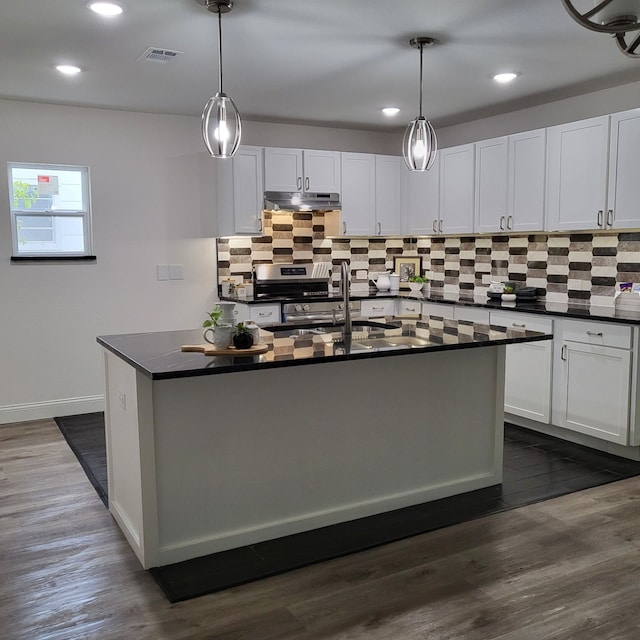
(204,463)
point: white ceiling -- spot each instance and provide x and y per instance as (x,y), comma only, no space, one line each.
(331,62)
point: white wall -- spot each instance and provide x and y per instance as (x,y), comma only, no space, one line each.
(588,105)
(150,185)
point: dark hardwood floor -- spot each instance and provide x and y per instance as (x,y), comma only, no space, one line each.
(561,569)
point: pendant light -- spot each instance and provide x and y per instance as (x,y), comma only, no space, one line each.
(221,126)
(616,17)
(420,145)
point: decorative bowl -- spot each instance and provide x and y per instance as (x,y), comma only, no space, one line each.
(416,286)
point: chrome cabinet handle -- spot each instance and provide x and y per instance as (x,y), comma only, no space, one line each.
(594,334)
(260,227)
(563,352)
(440,226)
(299,183)
(306,184)
(410,309)
(599,218)
(379,229)
(344,228)
(521,326)
(509,222)
(265,314)
(377,308)
(610,217)
(435,226)
(501,223)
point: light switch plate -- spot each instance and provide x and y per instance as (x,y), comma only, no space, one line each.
(163,271)
(176,272)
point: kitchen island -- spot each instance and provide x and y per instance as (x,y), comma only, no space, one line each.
(207,454)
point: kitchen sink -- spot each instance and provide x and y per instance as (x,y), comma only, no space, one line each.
(388,344)
(320,328)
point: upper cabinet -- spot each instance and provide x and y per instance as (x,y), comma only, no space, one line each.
(491,170)
(623,211)
(457,189)
(420,200)
(577,175)
(526,181)
(358,193)
(301,170)
(388,195)
(240,192)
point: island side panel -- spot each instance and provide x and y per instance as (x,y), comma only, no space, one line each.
(131,456)
(250,456)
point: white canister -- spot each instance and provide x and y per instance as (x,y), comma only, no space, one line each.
(394,278)
(254,330)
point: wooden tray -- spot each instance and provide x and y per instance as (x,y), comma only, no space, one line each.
(210,350)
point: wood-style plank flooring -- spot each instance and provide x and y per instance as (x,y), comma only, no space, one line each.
(564,569)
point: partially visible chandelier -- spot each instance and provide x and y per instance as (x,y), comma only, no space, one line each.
(617,17)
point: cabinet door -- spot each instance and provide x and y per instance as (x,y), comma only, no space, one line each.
(282,169)
(321,171)
(378,308)
(577,174)
(409,307)
(265,313)
(388,199)
(623,210)
(526,181)
(420,200)
(358,193)
(491,185)
(456,189)
(240,192)
(528,366)
(594,396)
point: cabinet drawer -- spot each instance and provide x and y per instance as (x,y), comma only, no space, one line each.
(265,313)
(472,315)
(410,307)
(437,310)
(385,307)
(522,321)
(598,333)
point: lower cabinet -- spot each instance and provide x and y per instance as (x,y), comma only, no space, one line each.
(258,313)
(592,393)
(528,368)
(378,308)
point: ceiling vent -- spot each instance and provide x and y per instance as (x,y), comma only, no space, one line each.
(154,54)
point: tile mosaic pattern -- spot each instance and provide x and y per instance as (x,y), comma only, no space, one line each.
(567,267)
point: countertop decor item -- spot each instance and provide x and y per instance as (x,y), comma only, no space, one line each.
(221,125)
(230,350)
(420,145)
(242,337)
(407,267)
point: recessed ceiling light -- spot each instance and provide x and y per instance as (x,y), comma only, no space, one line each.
(68,69)
(108,9)
(504,78)
(390,111)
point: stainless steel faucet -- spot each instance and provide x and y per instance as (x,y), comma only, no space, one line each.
(344,285)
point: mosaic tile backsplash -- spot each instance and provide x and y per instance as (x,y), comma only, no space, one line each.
(576,266)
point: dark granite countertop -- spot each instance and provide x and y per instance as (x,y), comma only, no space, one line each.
(159,356)
(577,309)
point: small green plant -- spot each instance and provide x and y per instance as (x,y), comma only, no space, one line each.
(242,338)
(25,192)
(214,317)
(419,279)
(241,329)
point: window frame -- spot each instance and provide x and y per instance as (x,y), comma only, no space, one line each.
(84,213)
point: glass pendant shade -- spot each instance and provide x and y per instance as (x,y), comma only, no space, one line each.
(420,145)
(221,126)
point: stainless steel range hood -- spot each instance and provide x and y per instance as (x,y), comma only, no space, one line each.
(296,201)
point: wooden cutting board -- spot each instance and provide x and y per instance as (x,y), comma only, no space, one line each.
(210,350)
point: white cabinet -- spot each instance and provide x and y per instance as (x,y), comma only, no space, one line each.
(302,170)
(378,308)
(438,310)
(623,211)
(456,189)
(471,314)
(491,185)
(577,174)
(528,368)
(240,192)
(388,195)
(420,200)
(526,181)
(409,307)
(592,393)
(358,193)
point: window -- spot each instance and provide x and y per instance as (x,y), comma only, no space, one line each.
(50,212)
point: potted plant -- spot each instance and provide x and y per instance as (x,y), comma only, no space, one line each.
(242,338)
(220,331)
(417,282)
(214,317)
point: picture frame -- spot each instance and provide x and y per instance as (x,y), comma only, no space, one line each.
(407,267)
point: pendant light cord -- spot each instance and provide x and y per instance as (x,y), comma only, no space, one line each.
(421,75)
(220,49)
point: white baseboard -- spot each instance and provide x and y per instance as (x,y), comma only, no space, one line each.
(50,409)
